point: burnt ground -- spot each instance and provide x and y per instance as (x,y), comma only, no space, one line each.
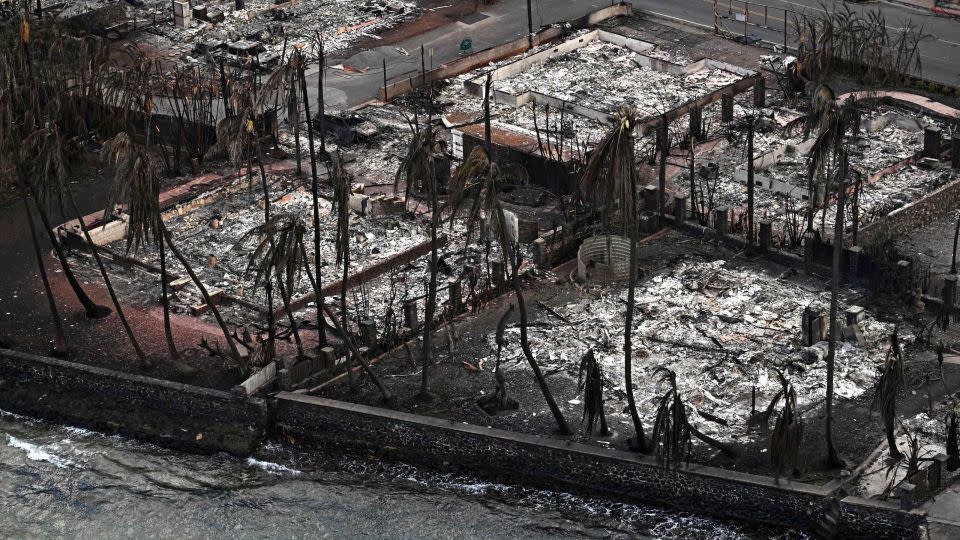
(456,384)
(25,318)
(932,243)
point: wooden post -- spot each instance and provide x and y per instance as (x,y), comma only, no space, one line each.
(385,80)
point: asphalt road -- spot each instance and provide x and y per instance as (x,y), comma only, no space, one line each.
(507,19)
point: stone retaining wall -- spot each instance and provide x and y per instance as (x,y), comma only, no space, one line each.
(168,413)
(914,215)
(339,426)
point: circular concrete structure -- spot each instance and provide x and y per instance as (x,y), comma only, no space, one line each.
(604,259)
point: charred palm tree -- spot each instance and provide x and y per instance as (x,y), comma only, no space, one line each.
(419,165)
(590,383)
(953,448)
(671,436)
(277,256)
(137,186)
(481,175)
(787,436)
(889,385)
(499,400)
(610,182)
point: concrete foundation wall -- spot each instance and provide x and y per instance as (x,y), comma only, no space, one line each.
(168,413)
(340,426)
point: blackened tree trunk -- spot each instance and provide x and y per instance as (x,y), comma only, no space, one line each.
(431,307)
(663,136)
(60,340)
(165,300)
(956,238)
(315,193)
(640,441)
(203,292)
(750,184)
(833,460)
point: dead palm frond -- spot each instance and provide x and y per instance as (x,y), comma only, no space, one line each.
(889,386)
(136,185)
(419,163)
(609,178)
(590,383)
(787,436)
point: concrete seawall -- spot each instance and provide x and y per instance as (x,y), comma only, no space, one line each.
(171,414)
(334,425)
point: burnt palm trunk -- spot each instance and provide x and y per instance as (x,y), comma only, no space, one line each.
(91,308)
(663,135)
(165,301)
(513,259)
(203,292)
(145,363)
(268,286)
(343,309)
(285,298)
(750,185)
(956,238)
(60,347)
(640,442)
(315,192)
(833,459)
(431,306)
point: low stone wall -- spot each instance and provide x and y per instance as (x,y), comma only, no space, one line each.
(167,413)
(914,215)
(335,425)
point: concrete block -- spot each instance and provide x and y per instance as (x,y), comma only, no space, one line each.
(854,255)
(726,108)
(766,235)
(386,205)
(853,334)
(180,284)
(199,309)
(540,253)
(855,315)
(181,8)
(456,297)
(111,232)
(696,123)
(937,475)
(328,357)
(721,220)
(650,198)
(368,333)
(360,204)
(931,142)
(679,209)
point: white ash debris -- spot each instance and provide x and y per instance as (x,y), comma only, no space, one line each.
(722,329)
(341,22)
(603,76)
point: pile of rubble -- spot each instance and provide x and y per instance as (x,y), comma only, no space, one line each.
(723,329)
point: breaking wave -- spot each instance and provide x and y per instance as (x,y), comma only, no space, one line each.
(36,452)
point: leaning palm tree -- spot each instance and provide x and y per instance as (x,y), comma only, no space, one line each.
(277,257)
(136,185)
(889,385)
(610,182)
(47,145)
(482,175)
(419,165)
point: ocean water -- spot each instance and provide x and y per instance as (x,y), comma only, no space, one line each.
(58,481)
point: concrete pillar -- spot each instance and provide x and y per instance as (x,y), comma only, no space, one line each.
(456,299)
(328,357)
(760,92)
(766,235)
(950,290)
(810,243)
(499,280)
(906,492)
(696,123)
(540,254)
(528,230)
(937,474)
(368,333)
(853,261)
(955,151)
(679,209)
(182,13)
(410,315)
(726,108)
(931,142)
(721,220)
(648,222)
(650,194)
